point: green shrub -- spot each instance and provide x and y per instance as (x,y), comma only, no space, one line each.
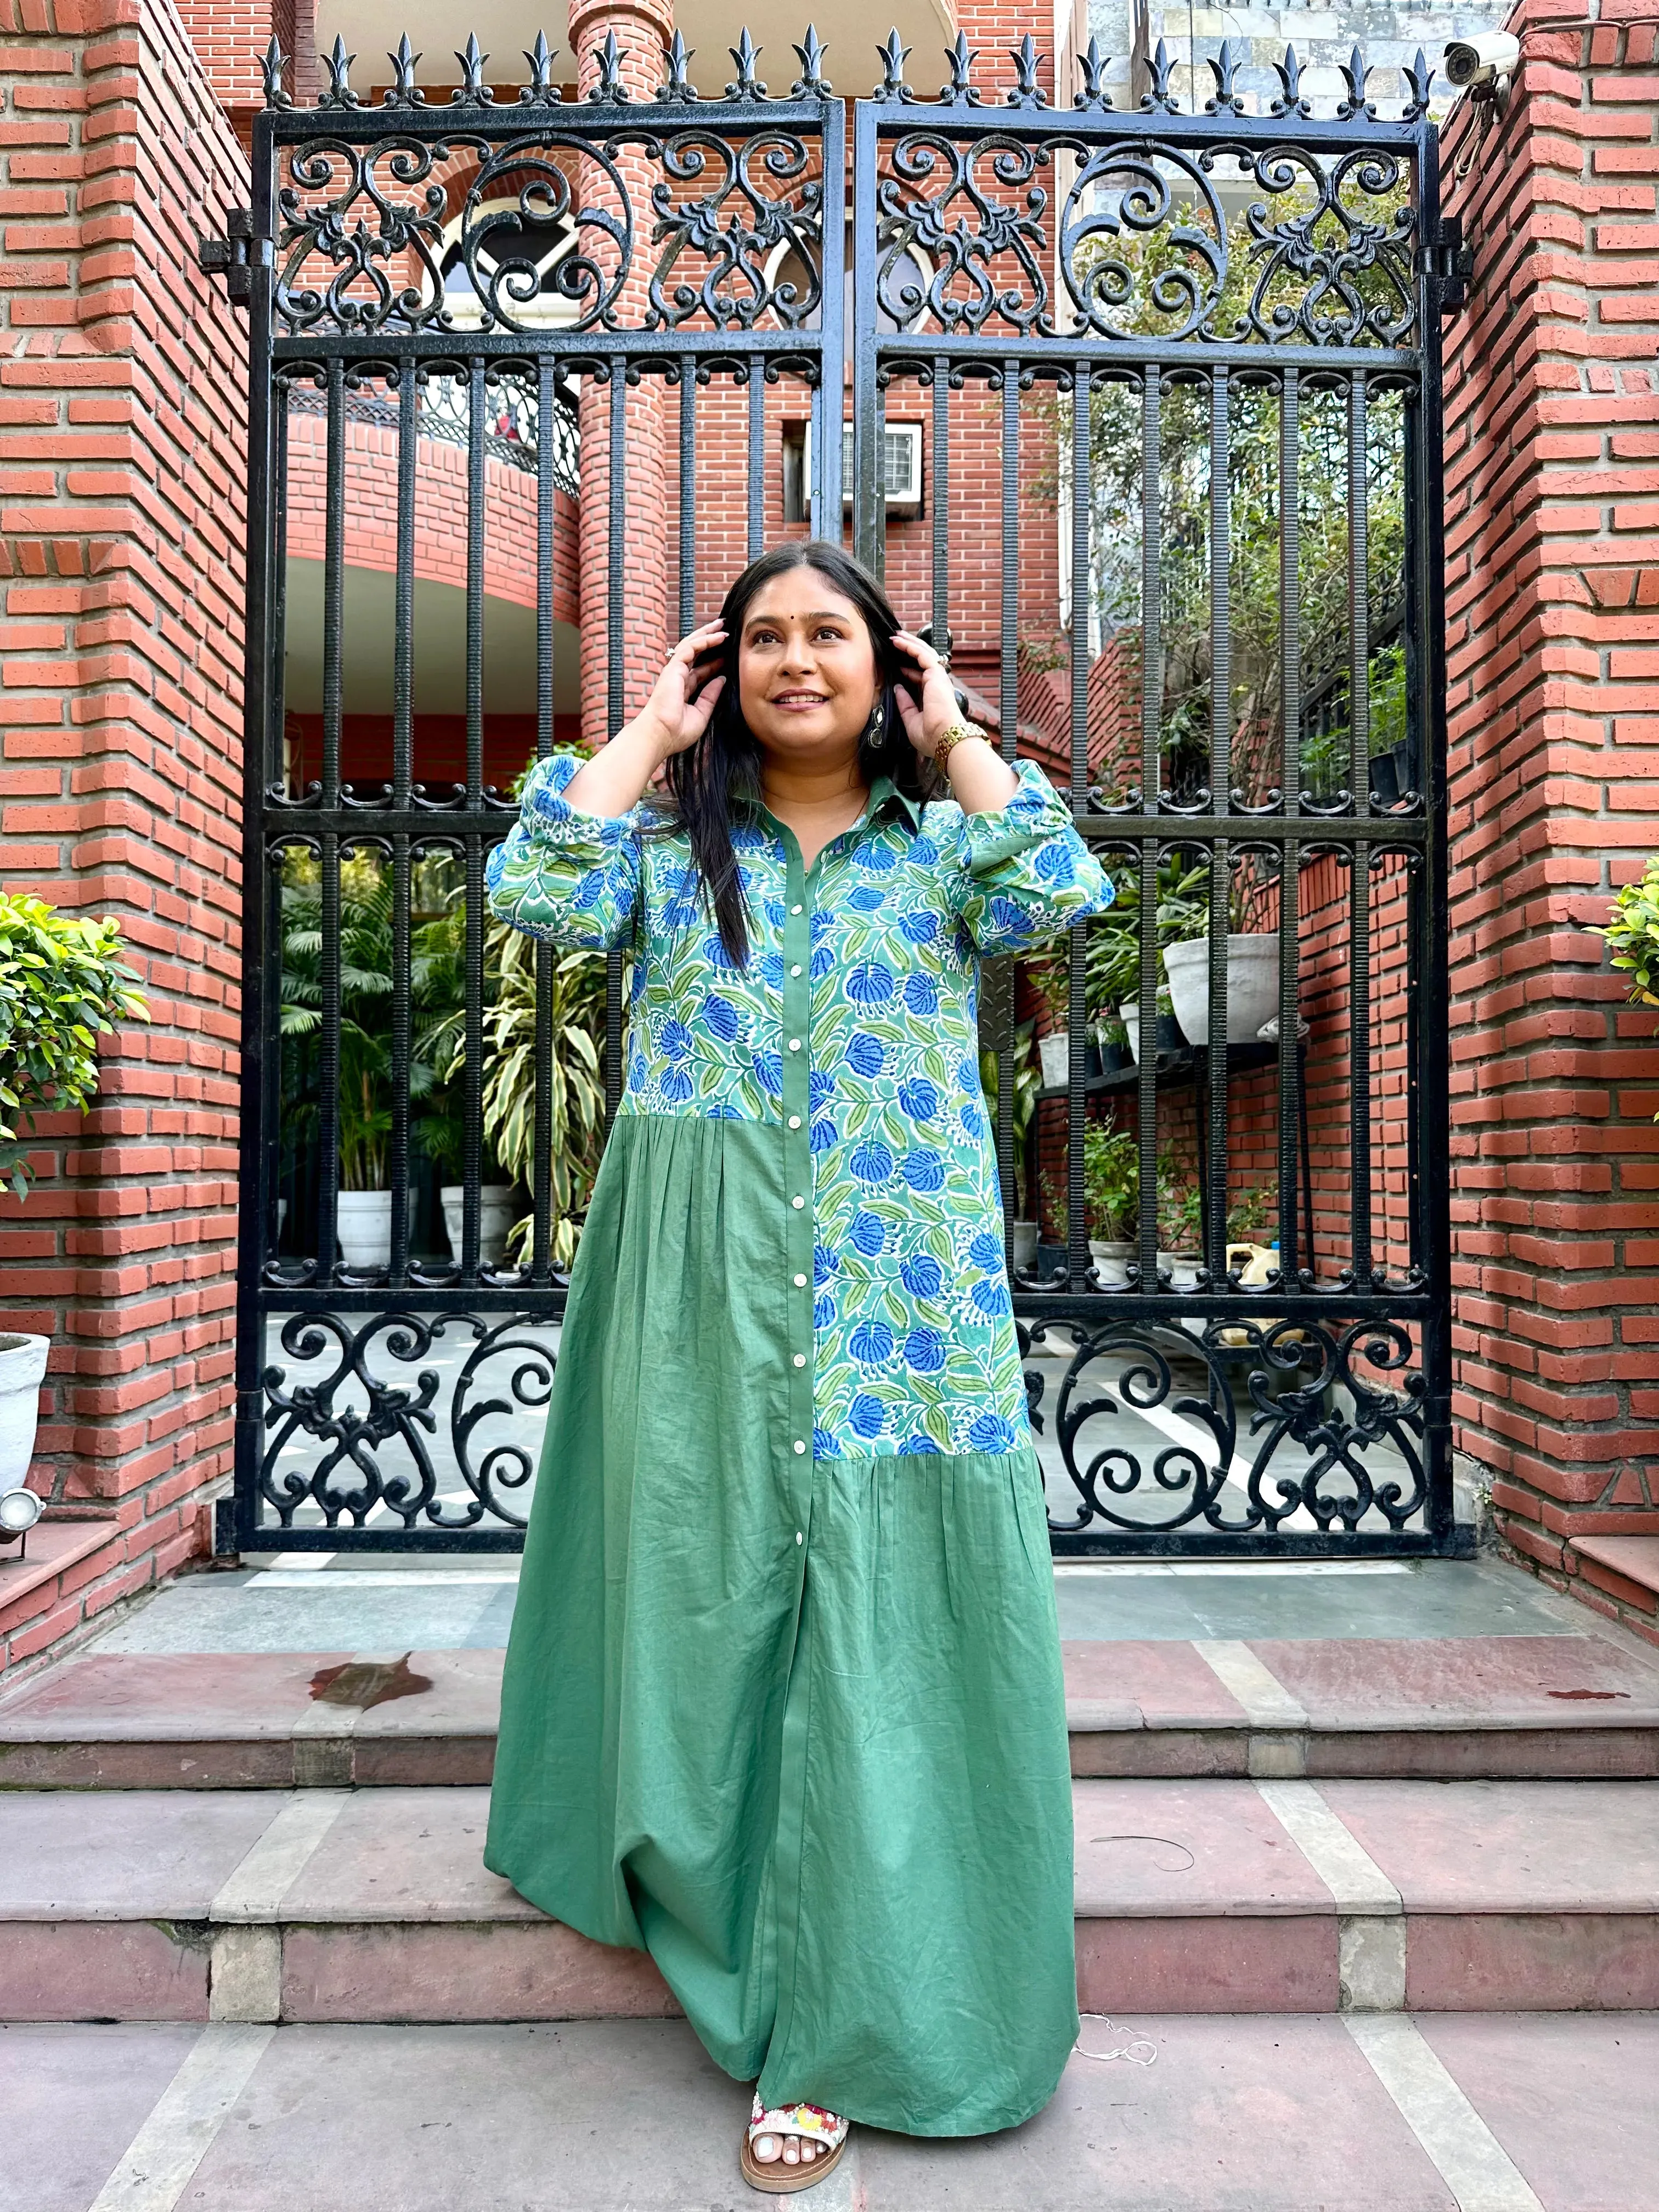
(1633,934)
(62,986)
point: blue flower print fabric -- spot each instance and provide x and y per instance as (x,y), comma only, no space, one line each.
(913,1343)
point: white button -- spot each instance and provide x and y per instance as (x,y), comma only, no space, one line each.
(795,970)
(798,1203)
(799,1447)
(794,909)
(800,1359)
(794,1044)
(800,1539)
(795,1120)
(801,1282)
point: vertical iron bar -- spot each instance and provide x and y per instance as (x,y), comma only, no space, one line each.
(472,1073)
(1359,621)
(333,581)
(756,455)
(1290,1058)
(403,651)
(616,697)
(866,423)
(1077,943)
(829,391)
(1221,771)
(400,1055)
(262,732)
(688,488)
(272,760)
(328,1164)
(541,1161)
(1289,777)
(938,493)
(1151,720)
(1010,662)
(474,583)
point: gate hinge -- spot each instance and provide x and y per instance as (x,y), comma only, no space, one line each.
(235,255)
(1448,259)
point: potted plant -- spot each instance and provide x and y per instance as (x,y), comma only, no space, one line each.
(363,1206)
(1028,1081)
(63,985)
(1252,963)
(1113,971)
(1179,1223)
(1111,1191)
(438,988)
(1113,1035)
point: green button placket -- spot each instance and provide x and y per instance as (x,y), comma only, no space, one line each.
(797,1054)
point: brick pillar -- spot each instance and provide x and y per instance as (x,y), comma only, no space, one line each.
(121,505)
(642,28)
(1551,547)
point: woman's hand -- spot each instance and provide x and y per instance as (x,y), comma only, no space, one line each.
(925,722)
(682,698)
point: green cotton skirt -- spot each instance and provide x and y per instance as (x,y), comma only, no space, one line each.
(795,1726)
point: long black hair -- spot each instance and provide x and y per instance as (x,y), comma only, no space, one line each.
(718,779)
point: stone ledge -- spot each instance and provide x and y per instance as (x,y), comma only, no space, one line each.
(51,1547)
(1632,1561)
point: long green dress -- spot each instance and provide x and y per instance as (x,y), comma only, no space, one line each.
(782,1702)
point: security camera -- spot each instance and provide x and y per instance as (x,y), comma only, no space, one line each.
(1483,64)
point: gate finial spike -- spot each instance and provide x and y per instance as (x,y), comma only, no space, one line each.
(339,64)
(472,91)
(677,85)
(610,91)
(1356,104)
(1290,76)
(811,84)
(541,87)
(272,63)
(403,91)
(1158,98)
(745,54)
(893,56)
(960,59)
(1418,77)
(1227,101)
(1026,60)
(1094,65)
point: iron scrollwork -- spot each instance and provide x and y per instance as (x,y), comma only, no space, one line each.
(375,1457)
(1308,1393)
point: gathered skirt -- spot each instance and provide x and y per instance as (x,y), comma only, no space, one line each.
(795,1725)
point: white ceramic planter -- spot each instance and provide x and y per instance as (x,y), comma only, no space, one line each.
(22,1369)
(1024,1250)
(362,1228)
(1252,986)
(1181,1267)
(1111,1260)
(495,1220)
(1054,1051)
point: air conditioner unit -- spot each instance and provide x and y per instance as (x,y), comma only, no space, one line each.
(900,466)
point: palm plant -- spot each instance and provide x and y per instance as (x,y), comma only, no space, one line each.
(574,1004)
(365,1061)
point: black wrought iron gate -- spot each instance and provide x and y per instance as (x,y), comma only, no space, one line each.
(1185,362)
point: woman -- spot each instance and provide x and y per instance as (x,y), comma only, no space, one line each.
(782,1702)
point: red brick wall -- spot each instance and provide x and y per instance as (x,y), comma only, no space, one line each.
(121,502)
(1551,538)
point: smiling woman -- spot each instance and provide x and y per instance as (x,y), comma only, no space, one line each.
(783,1699)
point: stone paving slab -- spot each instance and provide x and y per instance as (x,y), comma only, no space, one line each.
(1573,2098)
(128,1855)
(1151,1848)
(73,2099)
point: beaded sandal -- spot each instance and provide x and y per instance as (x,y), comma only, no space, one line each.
(808,2123)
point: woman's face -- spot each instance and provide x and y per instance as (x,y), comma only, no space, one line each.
(806,669)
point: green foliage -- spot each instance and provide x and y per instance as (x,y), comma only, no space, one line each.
(1255,488)
(1248,1217)
(1111,1181)
(365,1089)
(1632,935)
(63,985)
(1113,969)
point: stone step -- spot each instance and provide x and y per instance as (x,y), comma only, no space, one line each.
(1470,1707)
(1193,1896)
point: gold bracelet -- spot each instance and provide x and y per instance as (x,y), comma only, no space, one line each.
(949,738)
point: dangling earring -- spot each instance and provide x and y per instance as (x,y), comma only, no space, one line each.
(876,736)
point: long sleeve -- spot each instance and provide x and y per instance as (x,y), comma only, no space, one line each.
(1020,874)
(569,877)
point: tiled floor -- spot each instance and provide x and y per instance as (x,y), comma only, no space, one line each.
(1553,2112)
(426,1602)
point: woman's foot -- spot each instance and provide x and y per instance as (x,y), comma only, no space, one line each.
(787,2147)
